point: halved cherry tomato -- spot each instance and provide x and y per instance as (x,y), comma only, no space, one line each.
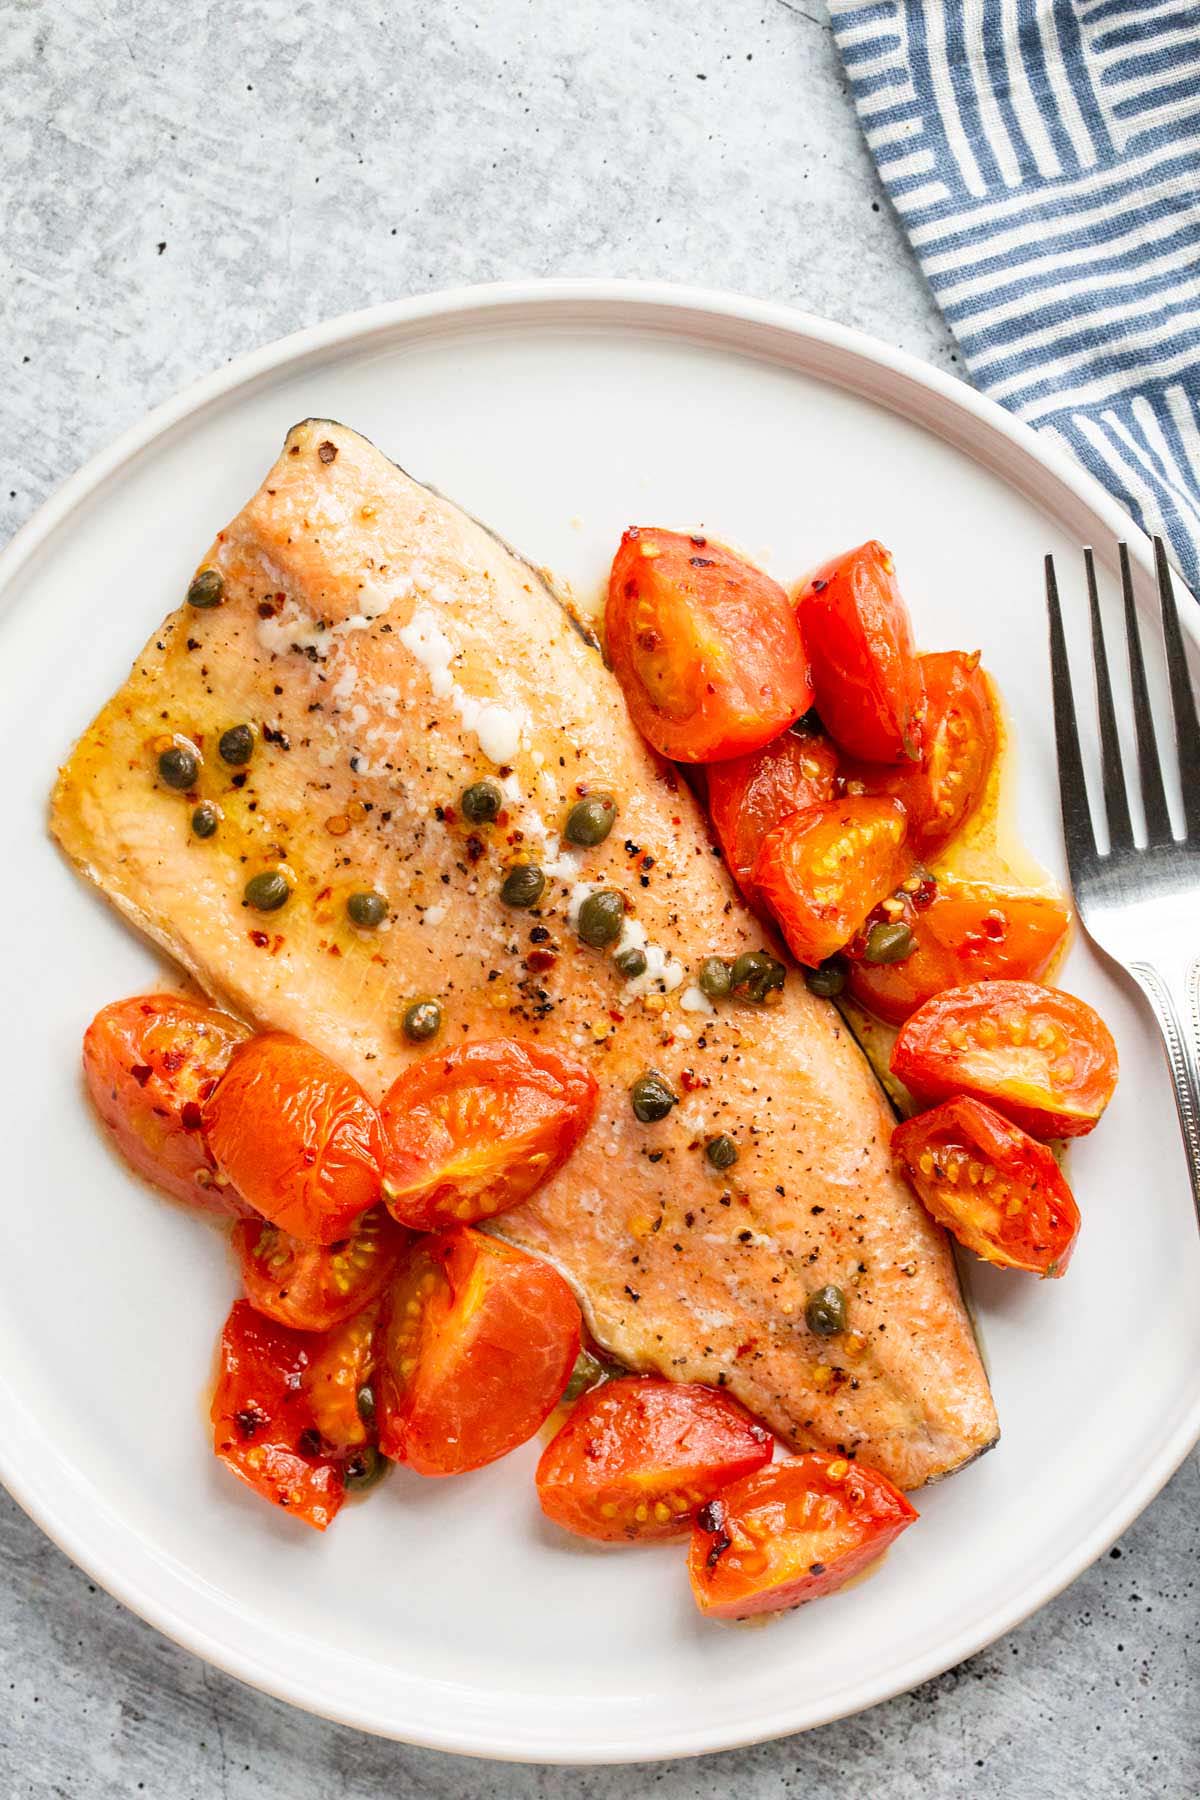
(1041,1057)
(636,1458)
(264,1427)
(749,795)
(865,671)
(340,1368)
(965,934)
(296,1136)
(313,1287)
(987,1181)
(473,1132)
(150,1063)
(705,646)
(940,792)
(477,1343)
(793,1532)
(823,870)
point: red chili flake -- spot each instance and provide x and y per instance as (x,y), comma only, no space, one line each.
(325,893)
(538,961)
(173,1061)
(616,1017)
(259,939)
(746,1348)
(190,1116)
(334,949)
(141,1073)
(689,1081)
(267,609)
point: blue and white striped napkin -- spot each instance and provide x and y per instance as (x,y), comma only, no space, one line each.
(1044,157)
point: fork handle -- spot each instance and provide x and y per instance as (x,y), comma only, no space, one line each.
(1176,1006)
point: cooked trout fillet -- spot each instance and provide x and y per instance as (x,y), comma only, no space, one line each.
(387,651)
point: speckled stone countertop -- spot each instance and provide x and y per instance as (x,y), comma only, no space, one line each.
(186,181)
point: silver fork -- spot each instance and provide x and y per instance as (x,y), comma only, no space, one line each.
(1140,903)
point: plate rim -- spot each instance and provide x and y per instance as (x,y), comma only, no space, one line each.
(616,304)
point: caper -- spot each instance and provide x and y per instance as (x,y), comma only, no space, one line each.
(204,820)
(523,885)
(366,1467)
(178,767)
(631,962)
(721,1152)
(714,978)
(236,746)
(367,910)
(651,1097)
(266,892)
(601,918)
(808,724)
(590,821)
(364,1400)
(825,1311)
(828,979)
(756,975)
(207,589)
(481,802)
(889,943)
(588,1371)
(422,1021)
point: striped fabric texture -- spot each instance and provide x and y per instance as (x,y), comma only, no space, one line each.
(1044,157)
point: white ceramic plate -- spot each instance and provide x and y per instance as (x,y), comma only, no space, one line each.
(446,1613)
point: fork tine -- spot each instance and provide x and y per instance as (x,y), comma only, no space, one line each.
(1116,801)
(1183,701)
(1154,799)
(1076,813)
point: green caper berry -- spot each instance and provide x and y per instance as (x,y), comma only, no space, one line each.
(236,746)
(204,820)
(828,979)
(481,802)
(178,767)
(601,918)
(889,943)
(651,1097)
(364,1400)
(207,589)
(523,885)
(590,821)
(721,1152)
(266,892)
(366,910)
(825,1312)
(756,975)
(422,1021)
(631,963)
(365,1469)
(714,978)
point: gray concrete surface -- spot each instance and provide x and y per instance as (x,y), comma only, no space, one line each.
(183,181)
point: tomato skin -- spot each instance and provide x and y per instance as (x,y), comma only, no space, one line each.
(823,870)
(1020,1215)
(149,1063)
(296,1136)
(313,1287)
(637,1456)
(792,1532)
(471,1133)
(707,648)
(261,1415)
(960,739)
(866,674)
(1043,1058)
(477,1342)
(963,935)
(748,796)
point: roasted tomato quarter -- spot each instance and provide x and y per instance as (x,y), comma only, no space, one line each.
(471,1133)
(478,1342)
(823,870)
(706,647)
(1043,1058)
(313,1287)
(637,1457)
(1001,1193)
(748,796)
(150,1063)
(866,674)
(962,936)
(296,1136)
(790,1533)
(337,1381)
(960,736)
